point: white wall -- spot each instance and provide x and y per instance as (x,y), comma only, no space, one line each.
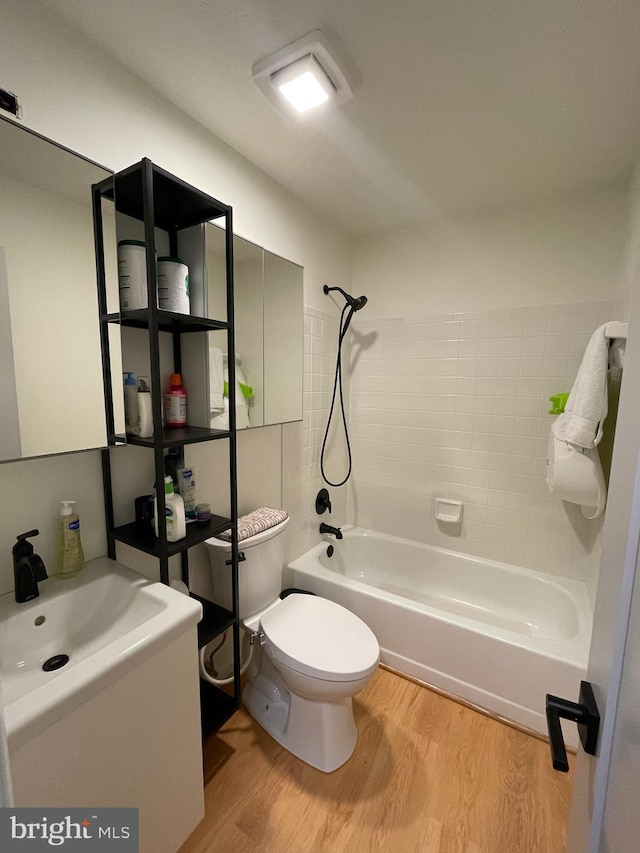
(77,96)
(569,250)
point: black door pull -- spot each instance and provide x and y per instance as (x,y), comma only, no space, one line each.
(584,713)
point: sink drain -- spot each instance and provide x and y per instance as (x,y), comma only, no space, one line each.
(55,662)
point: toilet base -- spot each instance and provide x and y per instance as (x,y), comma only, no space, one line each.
(322,734)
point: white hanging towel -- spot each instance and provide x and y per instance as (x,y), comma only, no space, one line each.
(586,408)
(220,420)
(216,380)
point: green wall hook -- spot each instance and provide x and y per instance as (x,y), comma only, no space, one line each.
(558,402)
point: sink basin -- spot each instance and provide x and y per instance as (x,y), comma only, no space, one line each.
(107,620)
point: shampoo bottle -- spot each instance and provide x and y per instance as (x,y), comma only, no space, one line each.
(132,427)
(175,403)
(145,413)
(174,512)
(70,558)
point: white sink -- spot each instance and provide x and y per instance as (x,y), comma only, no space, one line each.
(107,620)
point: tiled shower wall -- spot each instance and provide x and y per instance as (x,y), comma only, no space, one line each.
(302,443)
(456,406)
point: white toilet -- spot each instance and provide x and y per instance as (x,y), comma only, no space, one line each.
(310,655)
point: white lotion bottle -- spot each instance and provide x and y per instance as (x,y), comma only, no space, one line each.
(131,418)
(145,413)
(70,557)
(174,513)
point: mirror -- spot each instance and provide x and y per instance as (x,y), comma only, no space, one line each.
(51,379)
(283,339)
(269,328)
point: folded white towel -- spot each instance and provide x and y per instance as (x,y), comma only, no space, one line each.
(216,380)
(586,408)
(263,518)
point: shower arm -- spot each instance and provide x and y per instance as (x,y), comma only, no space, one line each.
(326,289)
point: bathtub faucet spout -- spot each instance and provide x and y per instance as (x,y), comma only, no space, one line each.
(327,528)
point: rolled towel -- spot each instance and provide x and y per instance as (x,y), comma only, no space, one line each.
(616,353)
(586,409)
(255,522)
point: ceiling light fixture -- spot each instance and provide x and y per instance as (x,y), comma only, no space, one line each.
(302,76)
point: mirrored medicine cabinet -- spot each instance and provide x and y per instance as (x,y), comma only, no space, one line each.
(51,386)
(51,382)
(269,329)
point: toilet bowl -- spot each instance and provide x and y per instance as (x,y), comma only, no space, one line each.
(310,655)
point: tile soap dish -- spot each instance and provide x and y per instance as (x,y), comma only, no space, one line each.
(448,510)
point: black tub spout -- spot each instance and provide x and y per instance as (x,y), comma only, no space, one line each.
(334,531)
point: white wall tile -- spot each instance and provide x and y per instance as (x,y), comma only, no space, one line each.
(457,406)
(510,347)
(535,324)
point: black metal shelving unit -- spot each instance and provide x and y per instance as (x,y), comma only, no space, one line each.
(159,200)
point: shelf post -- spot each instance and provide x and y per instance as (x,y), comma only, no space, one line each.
(148,210)
(233,465)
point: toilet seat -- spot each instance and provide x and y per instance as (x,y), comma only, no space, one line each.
(319,638)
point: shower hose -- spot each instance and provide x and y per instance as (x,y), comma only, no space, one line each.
(337,386)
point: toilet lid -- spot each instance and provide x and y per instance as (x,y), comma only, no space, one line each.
(318,637)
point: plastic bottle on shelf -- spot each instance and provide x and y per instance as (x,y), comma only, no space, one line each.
(187,490)
(174,513)
(145,413)
(132,427)
(171,465)
(173,285)
(132,274)
(70,557)
(175,403)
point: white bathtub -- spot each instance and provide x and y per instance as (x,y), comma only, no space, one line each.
(496,635)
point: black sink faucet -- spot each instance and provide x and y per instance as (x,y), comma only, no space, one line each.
(327,528)
(28,568)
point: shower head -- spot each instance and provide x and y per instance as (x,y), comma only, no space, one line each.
(355,302)
(358,303)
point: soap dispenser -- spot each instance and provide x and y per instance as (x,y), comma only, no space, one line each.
(145,411)
(132,427)
(69,547)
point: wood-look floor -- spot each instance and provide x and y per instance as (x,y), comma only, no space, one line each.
(428,775)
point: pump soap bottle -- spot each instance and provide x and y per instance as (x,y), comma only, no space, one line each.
(174,512)
(145,413)
(132,427)
(70,558)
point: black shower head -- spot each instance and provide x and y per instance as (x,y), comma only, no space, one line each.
(356,302)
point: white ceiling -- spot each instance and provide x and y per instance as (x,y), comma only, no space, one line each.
(459,105)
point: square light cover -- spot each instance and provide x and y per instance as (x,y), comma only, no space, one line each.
(304,73)
(304,84)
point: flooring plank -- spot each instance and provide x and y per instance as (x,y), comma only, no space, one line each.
(428,775)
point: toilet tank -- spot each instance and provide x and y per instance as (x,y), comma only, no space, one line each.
(259,574)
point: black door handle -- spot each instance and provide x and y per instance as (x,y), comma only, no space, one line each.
(584,713)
